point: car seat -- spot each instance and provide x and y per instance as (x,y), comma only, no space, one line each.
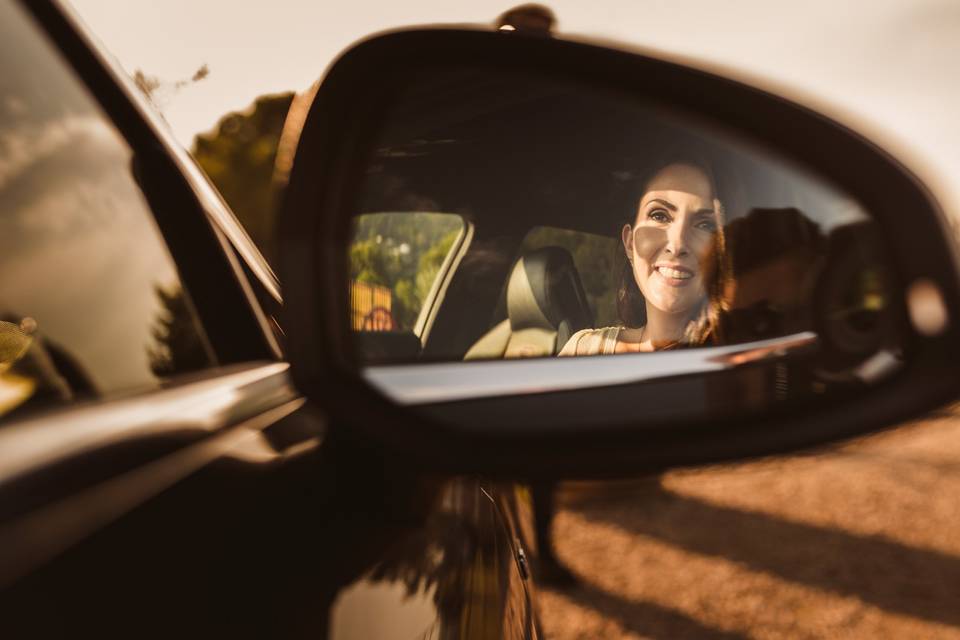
(546,305)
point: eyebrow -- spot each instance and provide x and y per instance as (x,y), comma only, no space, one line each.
(673,207)
(668,205)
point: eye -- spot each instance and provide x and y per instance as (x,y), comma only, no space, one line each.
(706,225)
(659,215)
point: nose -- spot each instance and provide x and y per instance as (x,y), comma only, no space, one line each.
(678,239)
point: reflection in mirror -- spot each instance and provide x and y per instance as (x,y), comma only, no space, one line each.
(395,261)
(505,217)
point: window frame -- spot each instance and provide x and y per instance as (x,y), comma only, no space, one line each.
(71,472)
(199,230)
(438,290)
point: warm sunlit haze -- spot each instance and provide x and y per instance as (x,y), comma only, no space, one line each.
(762,287)
(887,67)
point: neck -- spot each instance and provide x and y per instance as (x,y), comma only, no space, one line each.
(664,329)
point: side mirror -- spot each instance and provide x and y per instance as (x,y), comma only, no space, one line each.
(734,274)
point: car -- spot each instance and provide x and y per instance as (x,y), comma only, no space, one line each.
(184,452)
(160,472)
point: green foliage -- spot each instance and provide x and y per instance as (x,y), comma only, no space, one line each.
(239,157)
(430,263)
(369,263)
(403,251)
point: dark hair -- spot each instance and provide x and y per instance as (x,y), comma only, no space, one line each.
(631,304)
(764,235)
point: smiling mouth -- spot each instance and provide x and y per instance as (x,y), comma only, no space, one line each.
(674,273)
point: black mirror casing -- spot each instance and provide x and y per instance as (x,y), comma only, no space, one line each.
(342,126)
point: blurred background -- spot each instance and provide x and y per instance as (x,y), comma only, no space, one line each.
(857,541)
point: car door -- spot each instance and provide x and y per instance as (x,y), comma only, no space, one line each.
(148,427)
(159,473)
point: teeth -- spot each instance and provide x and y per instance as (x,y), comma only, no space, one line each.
(673,273)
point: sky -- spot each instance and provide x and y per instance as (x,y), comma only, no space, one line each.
(888,68)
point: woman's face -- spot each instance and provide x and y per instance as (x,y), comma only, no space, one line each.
(672,237)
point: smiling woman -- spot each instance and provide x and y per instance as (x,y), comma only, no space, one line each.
(675,257)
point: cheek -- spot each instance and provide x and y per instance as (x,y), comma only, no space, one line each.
(704,248)
(647,242)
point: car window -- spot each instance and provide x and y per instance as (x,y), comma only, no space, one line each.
(395,260)
(91,304)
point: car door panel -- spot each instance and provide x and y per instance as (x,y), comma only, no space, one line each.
(457,575)
(233,434)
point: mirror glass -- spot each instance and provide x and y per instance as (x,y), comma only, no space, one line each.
(535,235)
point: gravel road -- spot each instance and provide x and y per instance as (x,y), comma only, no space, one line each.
(859,541)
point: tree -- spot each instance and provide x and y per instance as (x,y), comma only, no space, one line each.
(159,92)
(404,252)
(239,157)
(178,345)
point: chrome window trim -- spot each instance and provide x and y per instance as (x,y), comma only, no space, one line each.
(203,407)
(227,412)
(415,384)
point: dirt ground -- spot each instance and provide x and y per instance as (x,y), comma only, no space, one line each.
(861,541)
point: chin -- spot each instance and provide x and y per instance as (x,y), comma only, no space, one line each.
(674,305)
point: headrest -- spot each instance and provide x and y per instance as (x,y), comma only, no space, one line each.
(545,291)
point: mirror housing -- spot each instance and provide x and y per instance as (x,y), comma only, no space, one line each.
(488,432)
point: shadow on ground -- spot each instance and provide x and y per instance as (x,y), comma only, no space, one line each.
(894,577)
(644,618)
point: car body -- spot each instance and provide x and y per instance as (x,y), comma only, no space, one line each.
(170,479)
